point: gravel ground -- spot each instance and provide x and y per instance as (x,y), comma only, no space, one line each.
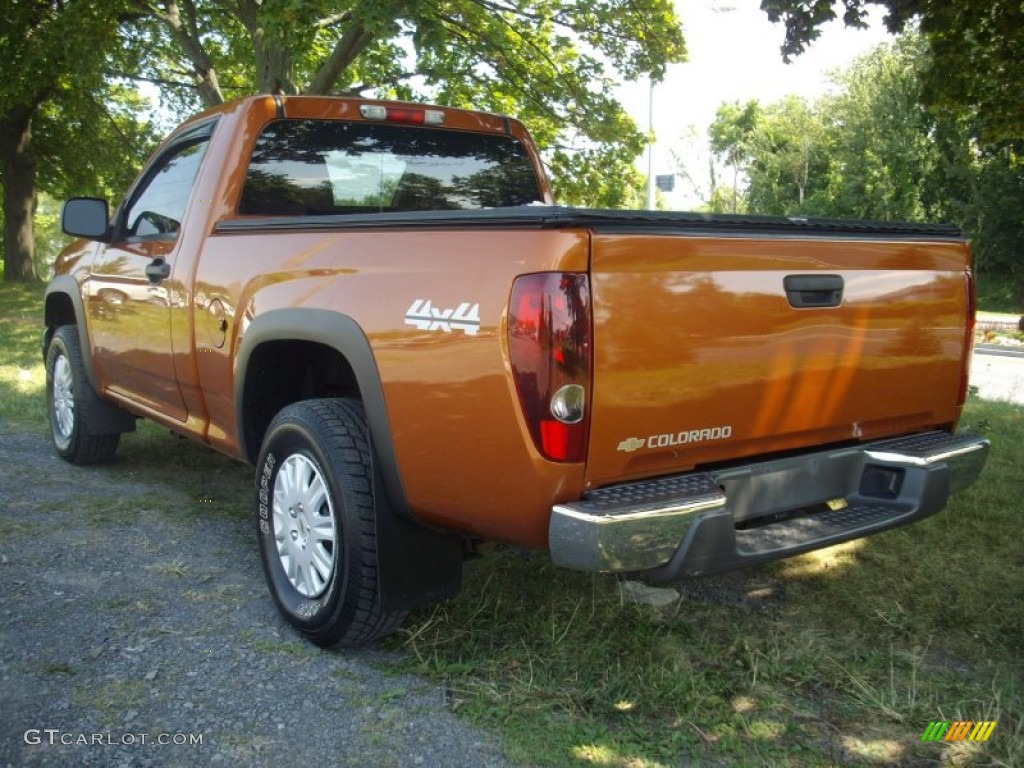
(123,626)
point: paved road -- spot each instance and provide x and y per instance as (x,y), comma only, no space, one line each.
(999,373)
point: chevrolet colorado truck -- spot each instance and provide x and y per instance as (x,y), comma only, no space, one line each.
(379,306)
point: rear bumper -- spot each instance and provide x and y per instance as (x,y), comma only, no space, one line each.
(720,520)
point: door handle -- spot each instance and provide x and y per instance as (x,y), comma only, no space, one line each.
(157,270)
(814,290)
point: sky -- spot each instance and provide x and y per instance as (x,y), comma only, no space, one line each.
(733,56)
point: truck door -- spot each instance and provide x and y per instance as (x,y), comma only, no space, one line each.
(130,290)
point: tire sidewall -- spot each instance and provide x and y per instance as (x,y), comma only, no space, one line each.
(59,348)
(309,614)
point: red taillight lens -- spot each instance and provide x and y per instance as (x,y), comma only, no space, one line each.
(549,349)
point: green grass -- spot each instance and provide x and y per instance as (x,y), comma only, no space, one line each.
(839,657)
(22,377)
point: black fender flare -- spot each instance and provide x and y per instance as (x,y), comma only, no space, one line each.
(343,334)
(417,564)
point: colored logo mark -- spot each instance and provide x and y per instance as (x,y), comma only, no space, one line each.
(960,730)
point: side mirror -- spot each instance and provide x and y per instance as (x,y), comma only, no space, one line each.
(85,217)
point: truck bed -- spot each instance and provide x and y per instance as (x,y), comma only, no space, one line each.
(701,357)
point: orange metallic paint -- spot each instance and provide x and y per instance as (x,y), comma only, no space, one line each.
(689,333)
(693,333)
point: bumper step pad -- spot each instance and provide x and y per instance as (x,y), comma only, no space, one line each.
(818,528)
(723,519)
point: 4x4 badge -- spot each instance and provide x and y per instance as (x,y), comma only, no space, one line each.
(465,317)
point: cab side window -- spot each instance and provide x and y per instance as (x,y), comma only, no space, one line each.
(157,210)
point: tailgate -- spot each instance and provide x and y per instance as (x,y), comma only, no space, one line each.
(709,349)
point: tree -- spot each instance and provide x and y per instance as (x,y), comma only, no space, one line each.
(780,149)
(730,134)
(882,156)
(873,150)
(551,63)
(976,47)
(62,125)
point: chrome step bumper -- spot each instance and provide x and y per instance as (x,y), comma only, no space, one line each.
(704,522)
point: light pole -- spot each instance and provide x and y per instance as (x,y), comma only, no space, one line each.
(650,146)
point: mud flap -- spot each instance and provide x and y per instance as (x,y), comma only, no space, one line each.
(416,565)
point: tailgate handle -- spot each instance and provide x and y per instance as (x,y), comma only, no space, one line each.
(814,290)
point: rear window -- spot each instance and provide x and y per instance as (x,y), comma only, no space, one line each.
(314,167)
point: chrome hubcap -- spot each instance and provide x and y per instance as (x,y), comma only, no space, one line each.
(304,525)
(63,399)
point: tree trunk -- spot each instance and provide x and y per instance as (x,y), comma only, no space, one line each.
(272,58)
(349,46)
(18,172)
(273,64)
(190,42)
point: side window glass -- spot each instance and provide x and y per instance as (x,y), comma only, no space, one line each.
(158,208)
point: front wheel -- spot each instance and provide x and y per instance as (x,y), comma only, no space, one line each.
(72,403)
(316,525)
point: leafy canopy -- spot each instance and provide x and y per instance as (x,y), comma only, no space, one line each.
(874,151)
(976,47)
(552,63)
(66,127)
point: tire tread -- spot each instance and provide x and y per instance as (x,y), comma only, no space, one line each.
(341,425)
(85,448)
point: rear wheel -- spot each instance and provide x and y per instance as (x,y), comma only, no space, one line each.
(70,401)
(316,525)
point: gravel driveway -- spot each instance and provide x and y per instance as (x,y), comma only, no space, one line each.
(122,626)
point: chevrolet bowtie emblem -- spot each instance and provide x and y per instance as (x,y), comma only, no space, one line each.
(631,444)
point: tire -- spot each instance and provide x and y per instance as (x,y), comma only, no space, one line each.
(316,525)
(72,402)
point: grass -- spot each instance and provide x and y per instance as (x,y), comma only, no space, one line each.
(22,377)
(841,656)
(838,657)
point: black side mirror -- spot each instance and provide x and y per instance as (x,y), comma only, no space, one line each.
(85,217)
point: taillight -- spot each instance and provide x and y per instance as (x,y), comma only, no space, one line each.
(965,374)
(549,349)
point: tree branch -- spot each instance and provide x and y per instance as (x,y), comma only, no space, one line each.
(154,80)
(349,46)
(462,30)
(357,90)
(192,45)
(113,121)
(330,21)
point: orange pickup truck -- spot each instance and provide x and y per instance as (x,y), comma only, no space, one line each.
(380,307)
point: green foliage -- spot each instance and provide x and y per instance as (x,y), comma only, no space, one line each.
(551,64)
(976,51)
(731,134)
(75,129)
(92,143)
(788,158)
(882,156)
(48,238)
(873,150)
